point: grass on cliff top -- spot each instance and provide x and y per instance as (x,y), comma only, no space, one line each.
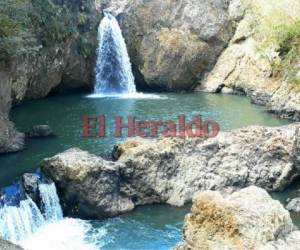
(27,24)
(279,28)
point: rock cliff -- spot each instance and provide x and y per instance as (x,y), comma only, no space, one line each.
(51,47)
(262,58)
(172,43)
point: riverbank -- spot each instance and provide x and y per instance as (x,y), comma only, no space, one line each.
(262,58)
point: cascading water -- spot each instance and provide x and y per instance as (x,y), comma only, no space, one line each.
(50,203)
(21,218)
(113,67)
(34,228)
(20,222)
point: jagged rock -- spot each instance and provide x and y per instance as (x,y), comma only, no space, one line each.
(40,131)
(172,170)
(30,183)
(247,66)
(294,205)
(5,245)
(247,219)
(88,185)
(172,43)
(10,139)
(119,149)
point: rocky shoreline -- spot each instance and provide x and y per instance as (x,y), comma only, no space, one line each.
(229,211)
(245,67)
(172,170)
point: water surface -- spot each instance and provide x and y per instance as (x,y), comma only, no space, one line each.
(63,113)
(148,227)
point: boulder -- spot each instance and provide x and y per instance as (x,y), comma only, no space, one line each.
(5,245)
(247,219)
(40,131)
(172,43)
(30,184)
(172,170)
(294,205)
(89,187)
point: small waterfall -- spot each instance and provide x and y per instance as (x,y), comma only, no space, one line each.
(50,202)
(20,222)
(20,219)
(113,67)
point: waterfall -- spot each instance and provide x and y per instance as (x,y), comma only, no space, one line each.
(20,222)
(21,219)
(50,203)
(113,67)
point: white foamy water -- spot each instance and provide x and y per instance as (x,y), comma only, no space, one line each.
(128,96)
(23,220)
(50,202)
(17,223)
(67,234)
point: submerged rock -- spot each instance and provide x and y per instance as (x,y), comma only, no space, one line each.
(247,219)
(6,245)
(172,170)
(40,131)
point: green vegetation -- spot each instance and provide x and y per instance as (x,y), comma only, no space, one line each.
(27,25)
(15,35)
(288,40)
(280,29)
(52,23)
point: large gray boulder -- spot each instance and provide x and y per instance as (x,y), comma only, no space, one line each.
(247,219)
(172,170)
(40,131)
(89,186)
(172,43)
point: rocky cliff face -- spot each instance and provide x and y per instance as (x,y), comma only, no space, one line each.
(62,58)
(172,43)
(248,219)
(258,49)
(171,171)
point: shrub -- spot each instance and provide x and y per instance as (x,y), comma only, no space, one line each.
(15,35)
(279,28)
